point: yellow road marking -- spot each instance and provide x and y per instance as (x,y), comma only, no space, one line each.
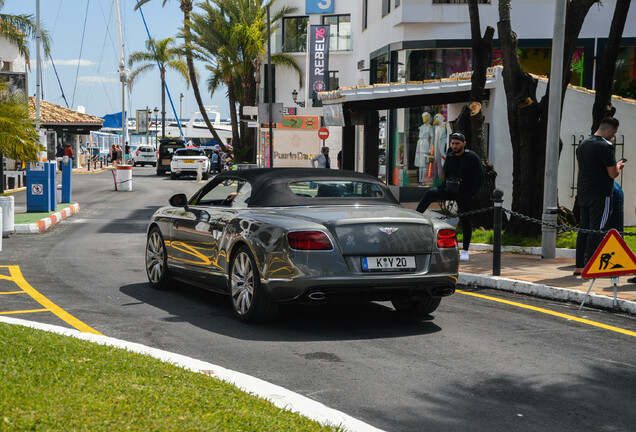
(24,311)
(12,292)
(16,276)
(549,312)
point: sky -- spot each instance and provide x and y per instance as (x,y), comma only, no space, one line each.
(85,53)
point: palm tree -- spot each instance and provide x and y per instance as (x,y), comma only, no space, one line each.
(230,35)
(186,8)
(18,136)
(18,29)
(164,54)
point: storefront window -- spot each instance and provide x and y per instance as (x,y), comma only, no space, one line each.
(419,136)
(626,73)
(339,32)
(420,65)
(295,34)
(537,61)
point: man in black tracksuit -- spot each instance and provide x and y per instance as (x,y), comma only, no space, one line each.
(463,175)
(597,170)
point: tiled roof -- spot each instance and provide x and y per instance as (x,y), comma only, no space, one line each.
(51,114)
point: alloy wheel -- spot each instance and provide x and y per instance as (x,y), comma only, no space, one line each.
(155,257)
(242,283)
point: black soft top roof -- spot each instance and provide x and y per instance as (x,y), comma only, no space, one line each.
(270,186)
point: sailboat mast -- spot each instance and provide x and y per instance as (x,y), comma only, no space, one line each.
(122,77)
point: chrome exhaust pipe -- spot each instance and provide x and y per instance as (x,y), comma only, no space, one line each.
(443,292)
(317,296)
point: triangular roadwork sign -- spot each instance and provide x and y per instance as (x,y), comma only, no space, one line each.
(612,258)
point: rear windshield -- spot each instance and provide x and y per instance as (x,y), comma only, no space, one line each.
(146,149)
(169,149)
(336,189)
(189,152)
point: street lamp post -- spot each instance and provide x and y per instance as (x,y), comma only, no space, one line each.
(295,96)
(148,113)
(156,111)
(180,106)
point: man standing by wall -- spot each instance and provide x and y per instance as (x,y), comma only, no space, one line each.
(322,159)
(463,175)
(597,170)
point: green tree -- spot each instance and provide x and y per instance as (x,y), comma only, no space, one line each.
(186,8)
(231,36)
(19,29)
(18,136)
(167,56)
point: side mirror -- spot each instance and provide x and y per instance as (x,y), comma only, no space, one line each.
(179,200)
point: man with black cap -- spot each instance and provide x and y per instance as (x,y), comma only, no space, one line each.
(463,175)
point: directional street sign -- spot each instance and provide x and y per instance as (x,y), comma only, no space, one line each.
(612,258)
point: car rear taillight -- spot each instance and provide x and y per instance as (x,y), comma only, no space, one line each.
(309,240)
(446,238)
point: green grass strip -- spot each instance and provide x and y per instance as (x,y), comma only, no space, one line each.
(565,240)
(24,218)
(50,382)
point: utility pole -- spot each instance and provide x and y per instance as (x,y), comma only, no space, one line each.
(269,90)
(550,196)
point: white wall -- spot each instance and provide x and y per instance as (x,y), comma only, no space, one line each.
(9,53)
(576,123)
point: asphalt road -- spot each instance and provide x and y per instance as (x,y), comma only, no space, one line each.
(476,364)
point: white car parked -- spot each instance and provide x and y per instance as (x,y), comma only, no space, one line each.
(145,155)
(189,161)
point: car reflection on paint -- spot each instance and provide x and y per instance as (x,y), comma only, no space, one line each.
(281,235)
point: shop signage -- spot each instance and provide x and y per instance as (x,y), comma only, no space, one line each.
(289,111)
(318,59)
(319,6)
(299,122)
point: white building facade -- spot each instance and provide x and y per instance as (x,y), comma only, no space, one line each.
(377,44)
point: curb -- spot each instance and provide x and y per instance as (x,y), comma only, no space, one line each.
(277,395)
(44,224)
(547,291)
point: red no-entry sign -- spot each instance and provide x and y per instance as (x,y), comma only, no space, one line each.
(323,133)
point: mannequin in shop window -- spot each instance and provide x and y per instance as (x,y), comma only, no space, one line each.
(423,149)
(440,143)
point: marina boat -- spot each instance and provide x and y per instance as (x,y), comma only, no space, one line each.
(196,131)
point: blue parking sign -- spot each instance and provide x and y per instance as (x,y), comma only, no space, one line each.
(319,6)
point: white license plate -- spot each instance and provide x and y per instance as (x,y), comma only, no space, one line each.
(388,263)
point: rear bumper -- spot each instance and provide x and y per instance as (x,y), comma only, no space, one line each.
(375,288)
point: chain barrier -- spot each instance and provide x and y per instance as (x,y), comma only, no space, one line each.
(468,213)
(533,220)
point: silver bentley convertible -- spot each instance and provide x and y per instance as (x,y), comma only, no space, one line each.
(278,235)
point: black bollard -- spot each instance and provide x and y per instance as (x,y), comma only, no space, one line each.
(497,196)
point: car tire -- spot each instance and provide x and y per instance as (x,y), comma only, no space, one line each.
(157,260)
(173,176)
(416,306)
(249,300)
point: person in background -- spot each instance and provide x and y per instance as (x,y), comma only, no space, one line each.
(214,162)
(68,151)
(118,148)
(339,159)
(222,157)
(113,155)
(322,159)
(127,152)
(463,176)
(597,170)
(59,154)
